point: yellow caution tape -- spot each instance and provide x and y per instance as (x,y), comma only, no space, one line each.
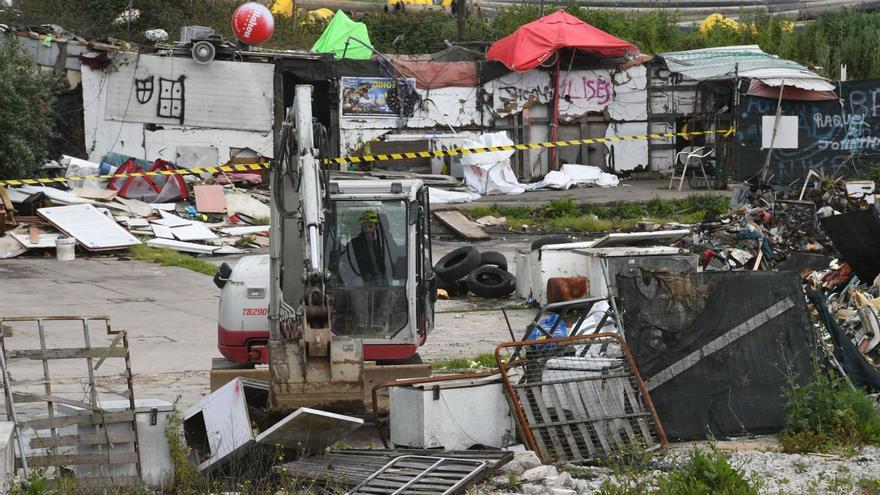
(377,158)
(515,147)
(181,171)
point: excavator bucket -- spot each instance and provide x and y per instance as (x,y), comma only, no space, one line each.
(332,383)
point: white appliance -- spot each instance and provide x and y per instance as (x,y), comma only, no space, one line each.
(453,415)
(152,422)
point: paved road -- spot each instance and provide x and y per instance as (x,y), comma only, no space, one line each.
(629,190)
(171,316)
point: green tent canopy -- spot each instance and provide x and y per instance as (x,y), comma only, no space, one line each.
(338,32)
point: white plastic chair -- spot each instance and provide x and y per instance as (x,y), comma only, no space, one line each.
(693,157)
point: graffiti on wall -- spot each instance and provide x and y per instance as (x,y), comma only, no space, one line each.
(837,136)
(586,88)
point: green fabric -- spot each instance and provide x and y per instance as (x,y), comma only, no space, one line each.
(339,30)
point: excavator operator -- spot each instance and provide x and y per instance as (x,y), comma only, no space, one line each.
(366,252)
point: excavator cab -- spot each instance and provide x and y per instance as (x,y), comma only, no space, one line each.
(349,274)
(378,265)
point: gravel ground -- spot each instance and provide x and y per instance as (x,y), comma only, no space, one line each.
(774,472)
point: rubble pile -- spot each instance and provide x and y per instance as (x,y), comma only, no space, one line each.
(219,213)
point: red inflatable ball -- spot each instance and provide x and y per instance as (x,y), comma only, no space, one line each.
(252,23)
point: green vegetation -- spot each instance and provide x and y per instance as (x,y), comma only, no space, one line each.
(25,113)
(244,241)
(824,44)
(702,473)
(170,257)
(828,415)
(187,478)
(566,215)
(706,473)
(485,360)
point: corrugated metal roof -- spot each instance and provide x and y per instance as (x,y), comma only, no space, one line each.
(748,61)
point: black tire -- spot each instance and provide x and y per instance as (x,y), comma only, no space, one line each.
(457,264)
(553,239)
(453,289)
(493,258)
(490,281)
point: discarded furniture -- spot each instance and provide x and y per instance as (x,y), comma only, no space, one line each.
(70,376)
(468,412)
(579,398)
(224,427)
(694,158)
(716,348)
(345,469)
(599,264)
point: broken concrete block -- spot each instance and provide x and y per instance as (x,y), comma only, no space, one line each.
(538,474)
(564,480)
(530,489)
(559,491)
(521,462)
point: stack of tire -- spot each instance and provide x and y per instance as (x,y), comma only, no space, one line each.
(467,269)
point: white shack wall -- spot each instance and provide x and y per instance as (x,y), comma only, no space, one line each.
(148,106)
(620,95)
(448,109)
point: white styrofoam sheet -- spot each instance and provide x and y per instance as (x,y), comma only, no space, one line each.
(91,228)
(45,240)
(162,231)
(188,247)
(251,229)
(171,220)
(194,232)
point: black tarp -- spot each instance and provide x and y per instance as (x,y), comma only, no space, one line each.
(837,136)
(859,371)
(856,236)
(738,388)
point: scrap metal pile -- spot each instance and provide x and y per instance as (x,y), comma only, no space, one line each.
(827,232)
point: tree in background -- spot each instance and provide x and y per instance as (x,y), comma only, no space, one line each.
(26,97)
(823,44)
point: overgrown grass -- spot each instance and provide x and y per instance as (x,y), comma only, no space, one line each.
(170,257)
(828,415)
(565,214)
(702,473)
(485,360)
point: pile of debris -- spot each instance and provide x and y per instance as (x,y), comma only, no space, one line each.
(201,214)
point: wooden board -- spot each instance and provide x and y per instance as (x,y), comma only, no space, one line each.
(91,228)
(210,199)
(461,225)
(99,194)
(79,419)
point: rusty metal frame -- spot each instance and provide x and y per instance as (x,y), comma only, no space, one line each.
(94,358)
(516,405)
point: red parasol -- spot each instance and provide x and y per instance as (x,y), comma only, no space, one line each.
(533,43)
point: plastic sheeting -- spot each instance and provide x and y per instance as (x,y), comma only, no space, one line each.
(490,173)
(856,236)
(442,196)
(573,175)
(730,338)
(335,39)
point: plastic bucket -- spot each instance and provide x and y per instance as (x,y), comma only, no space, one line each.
(106,169)
(64,249)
